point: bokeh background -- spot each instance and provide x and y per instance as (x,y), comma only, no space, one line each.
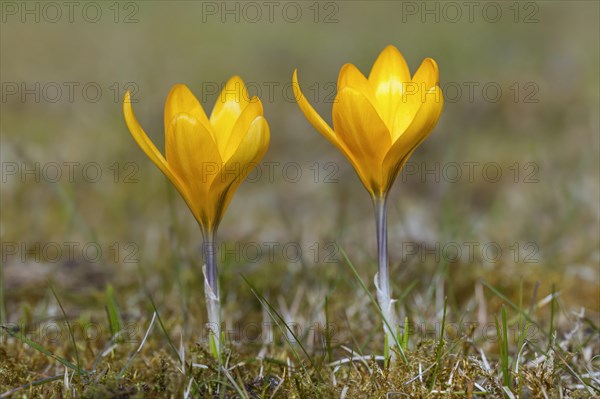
(522,98)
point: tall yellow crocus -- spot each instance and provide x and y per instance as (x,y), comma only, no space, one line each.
(377,124)
(207,159)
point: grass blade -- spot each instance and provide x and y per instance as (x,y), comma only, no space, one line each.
(552,311)
(505,362)
(113,312)
(374,301)
(440,346)
(3,315)
(405,333)
(170,342)
(279,320)
(71,335)
(42,381)
(23,338)
(139,349)
(164,330)
(327,332)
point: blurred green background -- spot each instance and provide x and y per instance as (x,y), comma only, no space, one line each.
(522,98)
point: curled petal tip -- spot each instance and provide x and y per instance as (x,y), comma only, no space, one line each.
(260,109)
(427,73)
(434,67)
(296,86)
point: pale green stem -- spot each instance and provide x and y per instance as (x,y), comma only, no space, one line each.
(211,290)
(210,254)
(382,279)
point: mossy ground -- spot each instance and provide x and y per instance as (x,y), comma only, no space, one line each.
(262,361)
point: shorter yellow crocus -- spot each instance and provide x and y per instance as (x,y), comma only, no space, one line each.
(207,159)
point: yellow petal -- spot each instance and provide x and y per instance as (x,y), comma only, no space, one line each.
(253,146)
(388,75)
(193,154)
(406,111)
(364,134)
(228,145)
(191,151)
(313,117)
(416,92)
(390,65)
(230,104)
(350,76)
(245,157)
(182,100)
(144,141)
(424,121)
(427,75)
(152,152)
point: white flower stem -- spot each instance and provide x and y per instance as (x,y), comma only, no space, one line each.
(382,279)
(211,291)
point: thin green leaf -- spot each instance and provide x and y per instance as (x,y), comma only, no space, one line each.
(113,312)
(279,321)
(440,346)
(23,338)
(71,335)
(374,301)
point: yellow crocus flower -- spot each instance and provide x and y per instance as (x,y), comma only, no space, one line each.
(379,121)
(207,158)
